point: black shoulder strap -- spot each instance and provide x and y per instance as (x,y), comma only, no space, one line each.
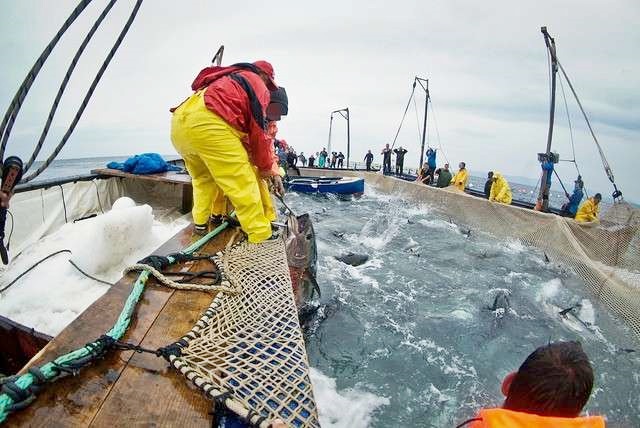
(254,103)
(467,422)
(247,66)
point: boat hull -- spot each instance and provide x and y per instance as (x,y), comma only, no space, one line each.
(335,185)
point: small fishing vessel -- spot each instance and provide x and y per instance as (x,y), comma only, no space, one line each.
(333,185)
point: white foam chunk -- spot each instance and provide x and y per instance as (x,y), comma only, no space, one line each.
(113,236)
(349,408)
(54,293)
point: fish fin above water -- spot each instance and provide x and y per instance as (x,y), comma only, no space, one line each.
(316,287)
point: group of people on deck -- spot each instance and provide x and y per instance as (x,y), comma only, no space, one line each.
(336,160)
(497,189)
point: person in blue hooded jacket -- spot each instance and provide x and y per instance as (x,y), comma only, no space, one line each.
(570,208)
(431,162)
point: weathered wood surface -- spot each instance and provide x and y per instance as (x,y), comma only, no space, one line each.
(171,177)
(166,177)
(126,388)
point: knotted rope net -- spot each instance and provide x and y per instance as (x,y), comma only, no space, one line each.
(247,351)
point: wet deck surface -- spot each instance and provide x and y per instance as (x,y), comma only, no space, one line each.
(127,388)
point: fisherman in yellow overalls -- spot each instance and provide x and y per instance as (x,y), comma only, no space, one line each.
(219,131)
(461,178)
(589,210)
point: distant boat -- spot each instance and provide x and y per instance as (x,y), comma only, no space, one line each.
(335,185)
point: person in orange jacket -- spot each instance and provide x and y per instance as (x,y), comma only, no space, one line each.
(549,390)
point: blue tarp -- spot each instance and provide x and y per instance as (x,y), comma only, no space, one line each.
(146,163)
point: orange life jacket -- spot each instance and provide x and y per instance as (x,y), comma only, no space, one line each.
(499,418)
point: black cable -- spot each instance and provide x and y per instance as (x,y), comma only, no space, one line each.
(413,89)
(48,257)
(16,103)
(88,95)
(11,232)
(65,81)
(89,276)
(32,267)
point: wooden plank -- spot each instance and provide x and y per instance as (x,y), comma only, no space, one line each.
(74,400)
(166,177)
(148,391)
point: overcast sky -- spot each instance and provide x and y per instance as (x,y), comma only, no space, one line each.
(485,61)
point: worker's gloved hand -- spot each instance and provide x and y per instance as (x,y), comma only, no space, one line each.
(278,187)
(4,200)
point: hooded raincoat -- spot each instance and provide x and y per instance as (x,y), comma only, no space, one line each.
(219,132)
(588,211)
(460,180)
(500,190)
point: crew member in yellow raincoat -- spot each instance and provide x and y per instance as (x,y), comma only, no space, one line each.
(500,190)
(461,178)
(220,133)
(589,209)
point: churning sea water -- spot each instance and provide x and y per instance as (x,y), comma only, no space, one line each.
(408,337)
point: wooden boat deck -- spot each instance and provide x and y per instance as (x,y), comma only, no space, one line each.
(127,388)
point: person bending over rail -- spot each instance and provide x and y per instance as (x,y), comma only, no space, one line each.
(549,390)
(589,209)
(431,162)
(488,184)
(220,133)
(461,178)
(570,208)
(500,190)
(444,176)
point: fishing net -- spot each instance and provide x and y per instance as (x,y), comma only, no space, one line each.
(606,256)
(247,351)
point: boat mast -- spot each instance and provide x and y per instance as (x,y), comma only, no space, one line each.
(425,85)
(544,188)
(217,58)
(344,112)
(330,126)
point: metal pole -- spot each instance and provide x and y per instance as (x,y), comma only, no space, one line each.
(330,124)
(551,46)
(424,124)
(348,137)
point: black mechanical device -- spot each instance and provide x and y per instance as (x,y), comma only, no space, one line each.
(11,175)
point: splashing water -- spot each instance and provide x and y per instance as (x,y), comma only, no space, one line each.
(408,337)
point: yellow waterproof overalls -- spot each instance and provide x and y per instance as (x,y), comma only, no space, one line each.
(219,166)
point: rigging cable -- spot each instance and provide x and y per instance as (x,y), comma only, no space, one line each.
(413,90)
(435,122)
(16,103)
(65,81)
(415,105)
(573,148)
(566,107)
(88,95)
(605,163)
